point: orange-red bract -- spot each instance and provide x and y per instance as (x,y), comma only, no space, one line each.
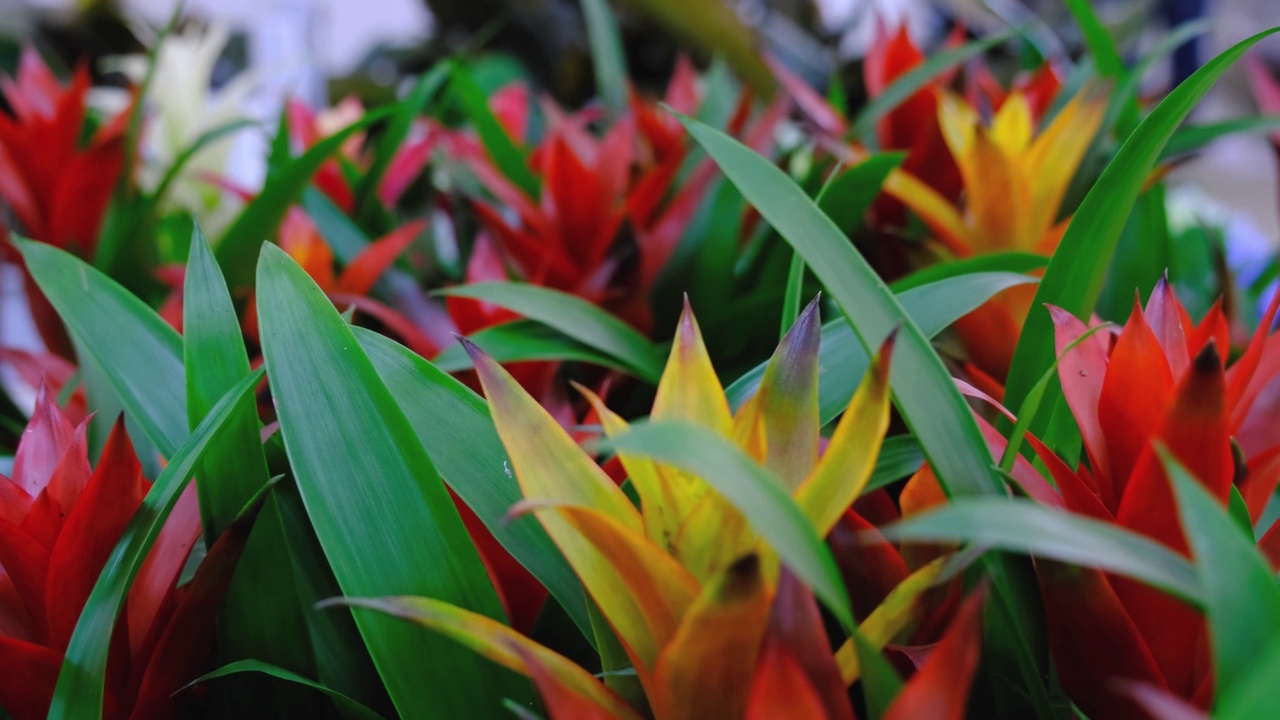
(56,188)
(59,521)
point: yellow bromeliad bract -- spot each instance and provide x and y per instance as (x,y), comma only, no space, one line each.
(685,583)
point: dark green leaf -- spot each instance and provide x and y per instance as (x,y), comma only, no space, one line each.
(261,615)
(379,508)
(574,317)
(453,424)
(351,708)
(849,196)
(521,340)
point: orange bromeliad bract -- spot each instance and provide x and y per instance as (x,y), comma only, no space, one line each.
(713,625)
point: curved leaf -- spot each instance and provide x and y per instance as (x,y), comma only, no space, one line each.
(574,317)
(1025,526)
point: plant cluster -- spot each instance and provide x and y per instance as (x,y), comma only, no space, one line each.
(483,406)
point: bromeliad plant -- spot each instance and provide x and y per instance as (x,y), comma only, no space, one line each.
(704,600)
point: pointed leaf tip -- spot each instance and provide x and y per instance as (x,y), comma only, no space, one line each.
(1208,361)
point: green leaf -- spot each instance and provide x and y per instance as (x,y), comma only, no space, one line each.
(504,152)
(122,335)
(238,248)
(381,513)
(80,687)
(1031,406)
(394,134)
(880,681)
(1142,256)
(1239,511)
(574,317)
(1076,272)
(1102,46)
(900,456)
(909,83)
(842,359)
(349,707)
(1240,596)
(1005,262)
(261,615)
(521,340)
(607,58)
(755,492)
(1255,694)
(1192,138)
(452,422)
(793,295)
(1024,526)
(204,140)
(343,236)
(849,196)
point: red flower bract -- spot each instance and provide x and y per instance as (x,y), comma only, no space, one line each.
(59,522)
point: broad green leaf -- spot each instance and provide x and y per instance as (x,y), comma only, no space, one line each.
(1024,526)
(394,134)
(755,492)
(1255,694)
(842,359)
(1075,275)
(122,335)
(215,360)
(574,317)
(81,682)
(524,340)
(607,58)
(1240,596)
(379,508)
(912,81)
(848,197)
(452,423)
(509,159)
(350,708)
(237,249)
(261,615)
